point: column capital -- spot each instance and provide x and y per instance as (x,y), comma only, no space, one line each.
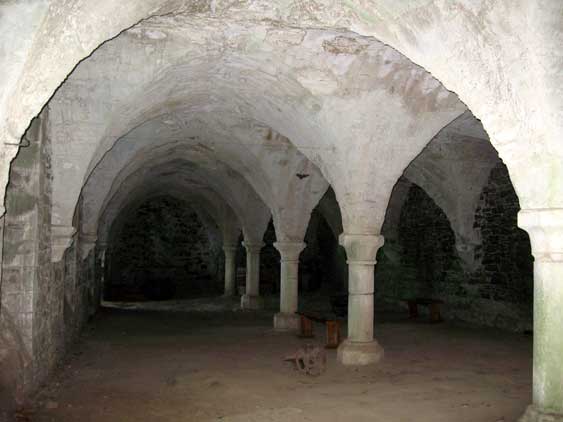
(290,251)
(545,227)
(361,249)
(253,247)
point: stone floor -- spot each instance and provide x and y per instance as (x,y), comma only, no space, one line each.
(140,365)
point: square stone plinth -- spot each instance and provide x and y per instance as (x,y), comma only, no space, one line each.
(353,353)
(535,415)
(286,322)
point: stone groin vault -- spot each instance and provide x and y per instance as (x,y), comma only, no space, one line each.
(345,113)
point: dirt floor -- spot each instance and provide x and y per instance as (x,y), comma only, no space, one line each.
(139,365)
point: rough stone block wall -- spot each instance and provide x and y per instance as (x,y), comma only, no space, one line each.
(163,242)
(422,260)
(42,307)
(48,331)
(75,306)
(21,253)
(19,281)
(507,267)
(12,364)
(75,277)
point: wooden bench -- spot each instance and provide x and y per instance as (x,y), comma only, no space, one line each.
(332,328)
(433,307)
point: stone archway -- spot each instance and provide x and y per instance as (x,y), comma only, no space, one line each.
(500,59)
(412,29)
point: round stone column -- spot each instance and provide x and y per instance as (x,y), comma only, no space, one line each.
(545,227)
(286,319)
(360,348)
(251,299)
(230,269)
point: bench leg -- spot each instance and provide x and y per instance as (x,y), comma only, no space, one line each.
(332,334)
(306,326)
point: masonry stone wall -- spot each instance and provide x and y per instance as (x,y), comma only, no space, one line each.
(20,233)
(505,255)
(162,250)
(13,360)
(421,260)
(77,275)
(48,332)
(41,307)
(28,297)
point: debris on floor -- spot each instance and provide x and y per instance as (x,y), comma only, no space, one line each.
(309,359)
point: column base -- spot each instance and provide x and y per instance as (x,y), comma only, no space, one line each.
(286,322)
(533,414)
(251,302)
(355,353)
